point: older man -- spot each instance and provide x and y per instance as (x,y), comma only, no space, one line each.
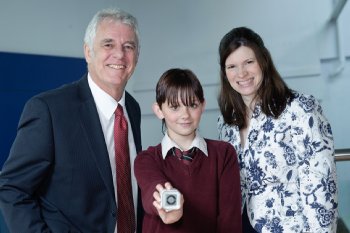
(63,173)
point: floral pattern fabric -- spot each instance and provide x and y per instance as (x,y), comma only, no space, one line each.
(287,168)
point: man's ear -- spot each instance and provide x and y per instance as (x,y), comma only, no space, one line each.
(87,53)
(157,111)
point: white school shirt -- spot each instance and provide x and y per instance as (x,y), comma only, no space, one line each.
(198,141)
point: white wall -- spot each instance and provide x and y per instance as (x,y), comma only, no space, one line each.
(47,27)
(186,34)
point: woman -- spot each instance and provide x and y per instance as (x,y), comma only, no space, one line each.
(283,141)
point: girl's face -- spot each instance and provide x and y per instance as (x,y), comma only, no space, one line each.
(181,121)
(244,73)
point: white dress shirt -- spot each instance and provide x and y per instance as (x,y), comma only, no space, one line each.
(106,105)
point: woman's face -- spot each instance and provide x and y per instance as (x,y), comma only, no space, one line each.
(244,73)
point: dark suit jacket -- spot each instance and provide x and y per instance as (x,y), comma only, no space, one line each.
(58,176)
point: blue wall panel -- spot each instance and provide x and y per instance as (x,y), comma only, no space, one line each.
(21,77)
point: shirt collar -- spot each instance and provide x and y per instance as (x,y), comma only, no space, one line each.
(198,142)
(104,102)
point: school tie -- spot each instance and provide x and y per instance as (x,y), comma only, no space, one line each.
(125,211)
(185,156)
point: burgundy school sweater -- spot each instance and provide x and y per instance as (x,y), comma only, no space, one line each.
(210,186)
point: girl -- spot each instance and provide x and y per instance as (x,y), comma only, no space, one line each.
(208,184)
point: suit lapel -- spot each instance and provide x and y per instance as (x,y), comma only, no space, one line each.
(93,133)
(134,117)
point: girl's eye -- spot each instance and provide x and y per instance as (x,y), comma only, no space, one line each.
(194,105)
(173,107)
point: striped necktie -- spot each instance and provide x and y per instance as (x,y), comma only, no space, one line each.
(125,211)
(185,156)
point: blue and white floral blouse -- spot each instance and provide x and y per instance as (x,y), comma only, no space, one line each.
(288,176)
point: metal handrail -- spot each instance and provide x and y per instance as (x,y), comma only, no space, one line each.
(342,155)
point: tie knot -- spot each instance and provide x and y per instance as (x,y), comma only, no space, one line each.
(119,111)
(186,155)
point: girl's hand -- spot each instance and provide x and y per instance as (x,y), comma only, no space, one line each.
(171,216)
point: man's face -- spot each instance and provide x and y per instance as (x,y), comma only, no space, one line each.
(114,56)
